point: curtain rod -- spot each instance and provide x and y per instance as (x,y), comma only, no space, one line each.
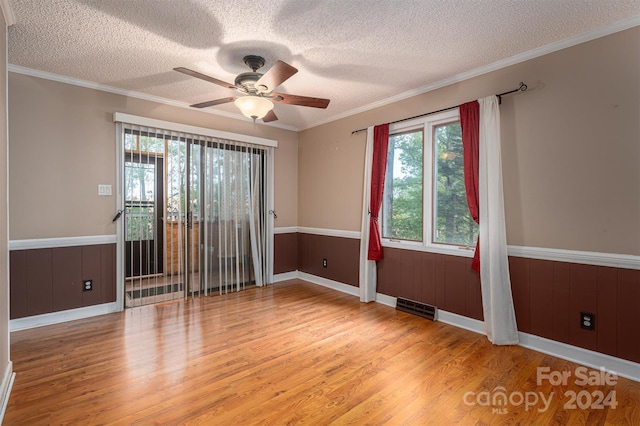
(520,88)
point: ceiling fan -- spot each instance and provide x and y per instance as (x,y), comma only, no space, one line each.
(257,96)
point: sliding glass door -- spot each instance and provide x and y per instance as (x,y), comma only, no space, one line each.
(195,215)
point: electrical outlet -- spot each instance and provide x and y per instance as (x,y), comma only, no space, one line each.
(324,263)
(587,321)
(87,285)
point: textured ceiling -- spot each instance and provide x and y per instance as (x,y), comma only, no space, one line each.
(354,52)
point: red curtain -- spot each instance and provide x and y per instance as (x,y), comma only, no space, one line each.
(470,124)
(378,171)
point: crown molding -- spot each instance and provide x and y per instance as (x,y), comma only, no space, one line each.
(130,93)
(634,21)
(7,12)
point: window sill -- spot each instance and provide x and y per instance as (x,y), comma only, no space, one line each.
(409,245)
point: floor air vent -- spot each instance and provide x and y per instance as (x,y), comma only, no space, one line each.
(417,308)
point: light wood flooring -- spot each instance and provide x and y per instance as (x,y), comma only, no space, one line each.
(290,353)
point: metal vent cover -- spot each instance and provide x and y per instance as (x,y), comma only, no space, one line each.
(417,308)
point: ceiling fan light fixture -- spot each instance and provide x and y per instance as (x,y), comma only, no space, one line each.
(254,106)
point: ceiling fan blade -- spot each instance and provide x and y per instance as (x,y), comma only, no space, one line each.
(201,76)
(271,116)
(276,75)
(212,103)
(307,101)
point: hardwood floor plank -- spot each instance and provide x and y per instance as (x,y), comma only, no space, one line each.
(291,353)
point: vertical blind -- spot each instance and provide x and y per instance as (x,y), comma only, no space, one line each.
(195,214)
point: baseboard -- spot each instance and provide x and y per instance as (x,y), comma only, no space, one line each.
(461,321)
(5,390)
(386,300)
(344,288)
(622,367)
(62,316)
(588,358)
(314,279)
(285,276)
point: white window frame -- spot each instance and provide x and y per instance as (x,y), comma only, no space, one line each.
(426,125)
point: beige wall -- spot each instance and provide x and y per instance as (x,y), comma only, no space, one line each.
(63,145)
(571,152)
(570,149)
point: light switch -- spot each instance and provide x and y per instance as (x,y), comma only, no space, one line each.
(104,189)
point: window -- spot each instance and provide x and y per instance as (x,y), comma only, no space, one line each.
(402,204)
(140,188)
(425,198)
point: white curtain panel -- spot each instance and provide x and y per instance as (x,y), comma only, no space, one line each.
(497,302)
(257,219)
(367,277)
(240,215)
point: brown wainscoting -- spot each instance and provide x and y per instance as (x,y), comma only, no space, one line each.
(50,280)
(548,297)
(342,256)
(444,281)
(285,252)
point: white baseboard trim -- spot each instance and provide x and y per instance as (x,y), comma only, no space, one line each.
(314,279)
(344,288)
(588,358)
(386,300)
(5,390)
(622,367)
(285,276)
(461,321)
(62,316)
